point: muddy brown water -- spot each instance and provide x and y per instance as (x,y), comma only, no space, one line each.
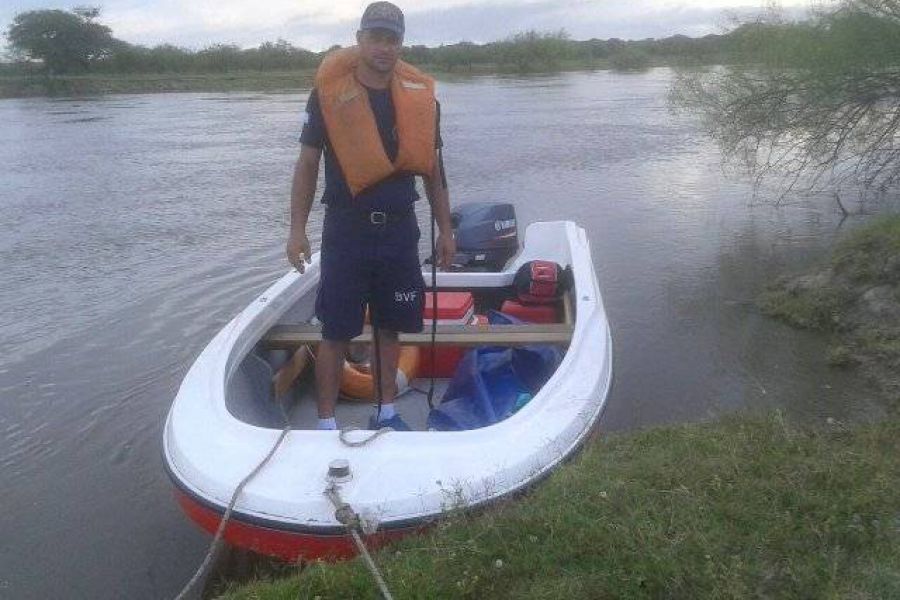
(133,227)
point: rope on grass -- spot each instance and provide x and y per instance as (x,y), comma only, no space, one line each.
(370,563)
(345,514)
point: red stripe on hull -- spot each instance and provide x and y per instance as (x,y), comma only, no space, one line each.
(290,546)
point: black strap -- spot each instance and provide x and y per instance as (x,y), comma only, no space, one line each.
(433,306)
(443,173)
(364,215)
(376,376)
(434,259)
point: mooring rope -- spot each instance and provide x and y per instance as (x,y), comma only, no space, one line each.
(218,539)
(345,514)
(370,563)
(343,436)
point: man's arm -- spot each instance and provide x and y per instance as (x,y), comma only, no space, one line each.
(439,197)
(303,190)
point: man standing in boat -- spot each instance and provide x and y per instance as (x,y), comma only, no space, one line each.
(378,122)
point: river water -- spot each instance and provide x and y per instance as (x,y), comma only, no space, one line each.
(133,227)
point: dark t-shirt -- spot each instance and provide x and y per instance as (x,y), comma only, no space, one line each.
(395,194)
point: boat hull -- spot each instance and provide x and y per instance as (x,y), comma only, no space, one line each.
(284,544)
(401,482)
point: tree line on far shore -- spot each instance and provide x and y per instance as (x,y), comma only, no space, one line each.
(58,42)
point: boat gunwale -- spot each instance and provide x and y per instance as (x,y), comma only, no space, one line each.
(231,336)
(260,520)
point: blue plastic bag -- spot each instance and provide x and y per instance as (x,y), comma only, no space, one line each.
(491,383)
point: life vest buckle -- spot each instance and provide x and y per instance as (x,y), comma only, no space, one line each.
(377,217)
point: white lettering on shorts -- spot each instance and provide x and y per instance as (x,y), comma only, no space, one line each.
(406,296)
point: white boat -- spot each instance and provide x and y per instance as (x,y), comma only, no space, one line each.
(223,422)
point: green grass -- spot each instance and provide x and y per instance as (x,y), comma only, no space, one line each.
(870,256)
(834,301)
(865,256)
(748,507)
(20,86)
(14,86)
(817,308)
(95,84)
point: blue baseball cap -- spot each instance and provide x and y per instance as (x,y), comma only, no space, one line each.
(383,15)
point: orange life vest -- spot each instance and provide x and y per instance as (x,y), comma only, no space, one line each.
(350,122)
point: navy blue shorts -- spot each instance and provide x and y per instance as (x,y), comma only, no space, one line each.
(369,265)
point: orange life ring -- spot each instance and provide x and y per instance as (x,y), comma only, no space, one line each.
(357,384)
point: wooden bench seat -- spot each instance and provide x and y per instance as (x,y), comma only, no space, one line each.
(293,336)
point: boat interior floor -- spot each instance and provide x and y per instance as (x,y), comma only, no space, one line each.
(262,410)
(412,406)
(249,394)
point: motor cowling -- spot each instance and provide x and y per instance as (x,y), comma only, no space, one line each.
(487,236)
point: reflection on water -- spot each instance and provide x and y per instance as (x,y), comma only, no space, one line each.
(133,227)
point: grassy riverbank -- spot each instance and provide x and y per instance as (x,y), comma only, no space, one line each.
(24,86)
(745,507)
(12,86)
(751,506)
(855,297)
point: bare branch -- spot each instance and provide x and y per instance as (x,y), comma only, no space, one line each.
(819,107)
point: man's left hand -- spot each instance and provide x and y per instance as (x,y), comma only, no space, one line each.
(445,246)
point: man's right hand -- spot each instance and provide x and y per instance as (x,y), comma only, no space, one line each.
(298,252)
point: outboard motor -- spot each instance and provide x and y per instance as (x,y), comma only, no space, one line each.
(486,236)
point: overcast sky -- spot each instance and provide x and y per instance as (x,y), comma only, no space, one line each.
(318,24)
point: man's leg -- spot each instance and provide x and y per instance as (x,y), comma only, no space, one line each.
(340,308)
(390,321)
(390,355)
(329,368)
(397,292)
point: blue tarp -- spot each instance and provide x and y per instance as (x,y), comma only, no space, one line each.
(492,383)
